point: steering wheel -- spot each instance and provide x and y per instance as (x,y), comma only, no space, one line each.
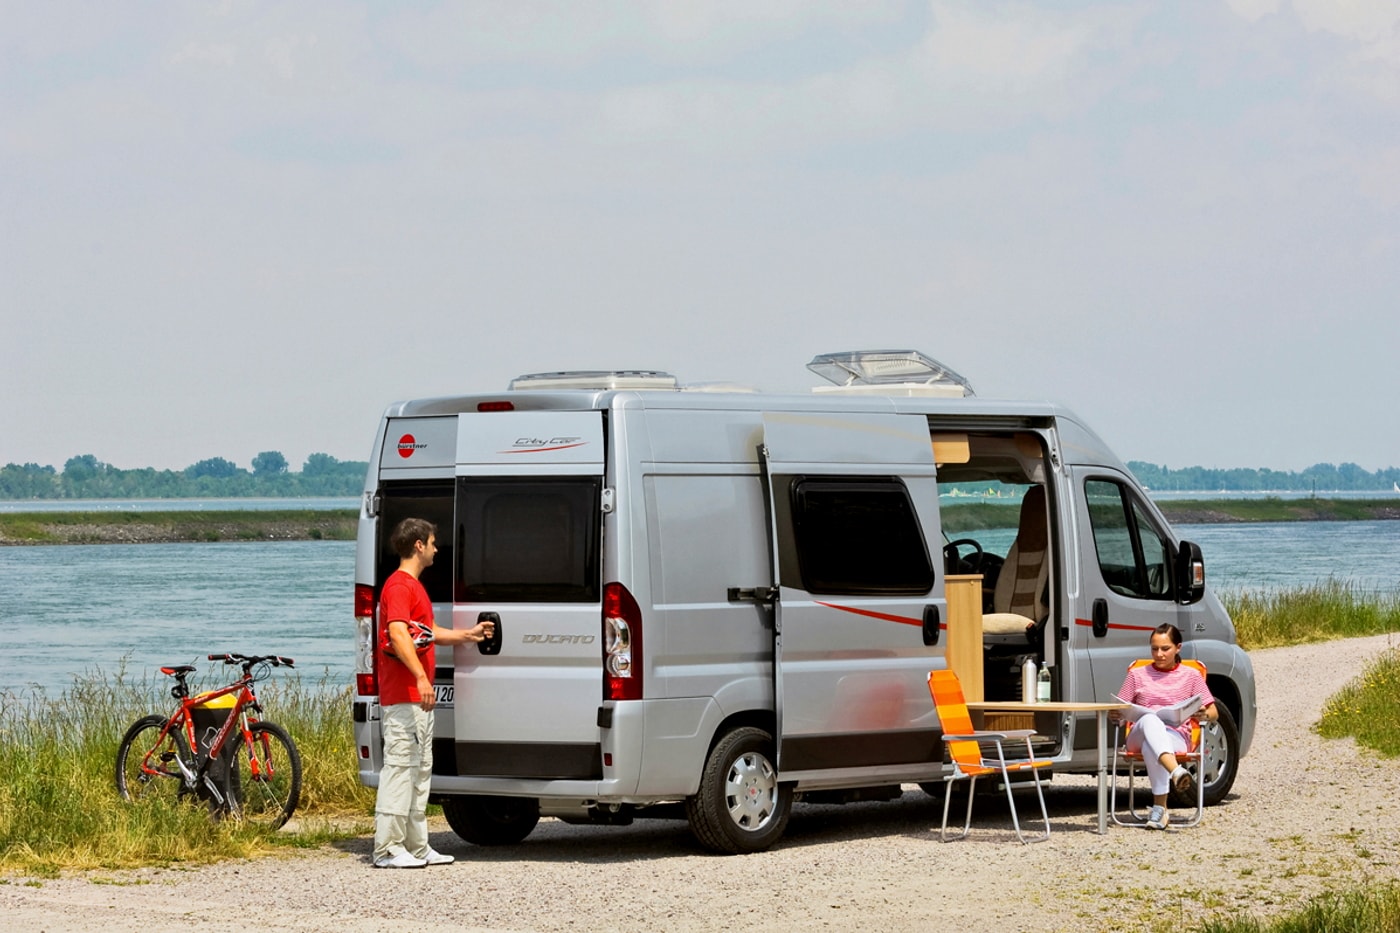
(952,558)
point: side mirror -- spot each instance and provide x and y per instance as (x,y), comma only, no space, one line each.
(1190,574)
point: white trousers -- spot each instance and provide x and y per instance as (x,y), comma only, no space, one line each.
(1153,737)
(401,805)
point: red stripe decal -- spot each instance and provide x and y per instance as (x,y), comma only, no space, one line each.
(885,616)
(541,450)
(1120,626)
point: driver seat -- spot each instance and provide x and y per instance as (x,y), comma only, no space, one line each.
(1016,600)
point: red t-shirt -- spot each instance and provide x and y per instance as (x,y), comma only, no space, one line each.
(403,599)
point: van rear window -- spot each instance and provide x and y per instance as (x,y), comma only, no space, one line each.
(528,540)
(426,499)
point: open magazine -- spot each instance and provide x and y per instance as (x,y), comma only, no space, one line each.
(1173,715)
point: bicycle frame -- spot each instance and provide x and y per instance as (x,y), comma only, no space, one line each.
(184,719)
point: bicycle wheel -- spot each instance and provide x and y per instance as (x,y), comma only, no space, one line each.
(263,781)
(148,763)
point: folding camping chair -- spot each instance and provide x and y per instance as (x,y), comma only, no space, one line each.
(969,763)
(1194,756)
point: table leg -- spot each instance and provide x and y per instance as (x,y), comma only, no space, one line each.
(1101,717)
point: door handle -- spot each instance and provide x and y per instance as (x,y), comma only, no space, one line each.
(763,595)
(1100,618)
(491,645)
(932,625)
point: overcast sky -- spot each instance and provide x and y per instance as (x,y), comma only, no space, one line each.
(231,227)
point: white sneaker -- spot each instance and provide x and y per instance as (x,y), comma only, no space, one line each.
(1157,818)
(402,860)
(434,857)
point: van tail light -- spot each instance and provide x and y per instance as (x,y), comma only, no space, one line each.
(622,644)
(366,678)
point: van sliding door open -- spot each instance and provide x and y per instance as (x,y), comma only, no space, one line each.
(854,536)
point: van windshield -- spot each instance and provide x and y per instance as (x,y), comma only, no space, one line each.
(528,539)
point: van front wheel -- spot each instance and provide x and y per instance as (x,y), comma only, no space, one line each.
(740,806)
(1221,740)
(491,821)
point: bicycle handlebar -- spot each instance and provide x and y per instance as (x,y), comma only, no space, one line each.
(248,660)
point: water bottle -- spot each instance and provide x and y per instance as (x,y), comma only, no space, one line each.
(1042,687)
(1028,682)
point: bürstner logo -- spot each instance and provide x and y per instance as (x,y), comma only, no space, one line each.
(407,445)
(528,445)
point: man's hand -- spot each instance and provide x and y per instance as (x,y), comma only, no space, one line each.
(427,697)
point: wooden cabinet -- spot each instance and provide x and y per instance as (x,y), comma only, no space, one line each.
(964,649)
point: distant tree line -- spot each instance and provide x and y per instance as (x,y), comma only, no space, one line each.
(1320,478)
(85,477)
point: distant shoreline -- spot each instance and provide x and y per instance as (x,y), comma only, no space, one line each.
(158,527)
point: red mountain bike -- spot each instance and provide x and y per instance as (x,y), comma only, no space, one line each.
(216,748)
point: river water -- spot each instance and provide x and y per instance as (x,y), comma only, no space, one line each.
(74,609)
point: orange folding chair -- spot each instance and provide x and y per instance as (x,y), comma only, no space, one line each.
(1191,759)
(969,763)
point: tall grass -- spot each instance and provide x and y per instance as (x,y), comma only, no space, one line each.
(1320,612)
(1364,911)
(58,801)
(1368,708)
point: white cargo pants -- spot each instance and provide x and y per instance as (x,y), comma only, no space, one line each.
(401,805)
(1153,737)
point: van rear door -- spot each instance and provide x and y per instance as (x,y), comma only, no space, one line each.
(854,525)
(528,548)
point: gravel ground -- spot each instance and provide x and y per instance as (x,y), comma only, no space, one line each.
(1305,816)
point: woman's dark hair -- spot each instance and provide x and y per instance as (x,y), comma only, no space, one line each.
(1166,628)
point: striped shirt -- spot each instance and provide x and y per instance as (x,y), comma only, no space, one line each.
(1147,686)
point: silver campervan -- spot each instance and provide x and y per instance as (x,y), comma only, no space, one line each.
(731,600)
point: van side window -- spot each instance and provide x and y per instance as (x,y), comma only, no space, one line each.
(859,536)
(427,499)
(1134,556)
(528,540)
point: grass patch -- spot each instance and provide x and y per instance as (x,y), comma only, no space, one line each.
(1320,612)
(1373,910)
(59,807)
(1368,708)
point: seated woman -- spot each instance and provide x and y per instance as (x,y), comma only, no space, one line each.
(1163,683)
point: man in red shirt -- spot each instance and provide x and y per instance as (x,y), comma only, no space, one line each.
(407,659)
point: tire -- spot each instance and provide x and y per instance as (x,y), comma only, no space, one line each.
(934,789)
(264,792)
(491,821)
(156,775)
(740,806)
(1222,759)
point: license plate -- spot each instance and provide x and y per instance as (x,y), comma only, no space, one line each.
(444,694)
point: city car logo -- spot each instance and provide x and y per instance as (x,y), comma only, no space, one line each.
(543,639)
(535,445)
(408,444)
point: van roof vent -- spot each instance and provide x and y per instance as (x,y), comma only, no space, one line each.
(887,372)
(597,380)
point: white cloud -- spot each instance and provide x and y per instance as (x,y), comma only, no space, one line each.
(1369,22)
(219,54)
(1253,10)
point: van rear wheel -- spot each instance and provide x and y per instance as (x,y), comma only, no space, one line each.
(491,821)
(740,806)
